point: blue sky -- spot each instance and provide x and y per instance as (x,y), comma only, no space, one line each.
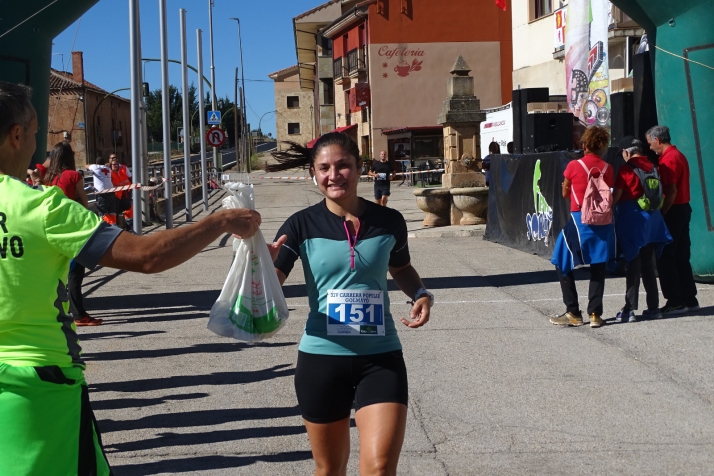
(268,45)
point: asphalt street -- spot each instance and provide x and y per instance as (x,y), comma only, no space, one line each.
(495,389)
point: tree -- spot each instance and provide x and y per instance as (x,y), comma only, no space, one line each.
(154,116)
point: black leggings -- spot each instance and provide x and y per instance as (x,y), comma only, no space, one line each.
(595,293)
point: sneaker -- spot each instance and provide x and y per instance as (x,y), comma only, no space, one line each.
(626,315)
(87,321)
(568,319)
(694,308)
(670,310)
(595,320)
(652,314)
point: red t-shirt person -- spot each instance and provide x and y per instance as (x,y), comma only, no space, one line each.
(627,180)
(578,177)
(67,180)
(674,169)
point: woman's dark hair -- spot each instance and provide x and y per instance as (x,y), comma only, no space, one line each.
(494,148)
(297,155)
(61,158)
(595,139)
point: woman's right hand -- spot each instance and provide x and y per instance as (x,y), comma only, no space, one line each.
(274,248)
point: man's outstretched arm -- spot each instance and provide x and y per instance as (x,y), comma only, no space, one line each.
(166,249)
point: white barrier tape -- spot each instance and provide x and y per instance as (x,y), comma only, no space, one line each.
(362,176)
(132,187)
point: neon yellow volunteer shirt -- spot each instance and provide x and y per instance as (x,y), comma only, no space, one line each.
(41,230)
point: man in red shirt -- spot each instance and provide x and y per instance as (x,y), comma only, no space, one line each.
(675,270)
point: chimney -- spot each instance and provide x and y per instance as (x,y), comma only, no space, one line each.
(78,67)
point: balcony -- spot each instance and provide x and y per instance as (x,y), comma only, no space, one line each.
(339,71)
(356,62)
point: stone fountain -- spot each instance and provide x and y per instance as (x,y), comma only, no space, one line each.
(463,199)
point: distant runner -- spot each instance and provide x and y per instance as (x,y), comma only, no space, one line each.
(383,174)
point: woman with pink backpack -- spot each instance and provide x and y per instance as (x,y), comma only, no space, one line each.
(589,236)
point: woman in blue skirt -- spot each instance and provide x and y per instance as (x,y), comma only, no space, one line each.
(580,244)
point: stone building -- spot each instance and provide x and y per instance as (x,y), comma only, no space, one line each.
(390,59)
(95,122)
(294,106)
(314,55)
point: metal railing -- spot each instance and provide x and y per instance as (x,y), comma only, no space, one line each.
(338,68)
(356,60)
(178,184)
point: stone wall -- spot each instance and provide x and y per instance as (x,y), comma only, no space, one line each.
(304,114)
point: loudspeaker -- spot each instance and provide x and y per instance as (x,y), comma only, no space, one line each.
(517,122)
(534,95)
(521,98)
(622,114)
(645,104)
(548,131)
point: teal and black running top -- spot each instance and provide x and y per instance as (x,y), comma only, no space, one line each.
(332,259)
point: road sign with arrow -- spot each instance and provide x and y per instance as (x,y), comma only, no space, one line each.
(215,137)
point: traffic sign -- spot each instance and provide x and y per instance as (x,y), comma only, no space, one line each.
(215,137)
(214,117)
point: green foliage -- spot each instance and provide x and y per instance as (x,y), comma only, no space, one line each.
(154,117)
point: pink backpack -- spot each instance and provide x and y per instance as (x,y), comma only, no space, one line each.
(597,204)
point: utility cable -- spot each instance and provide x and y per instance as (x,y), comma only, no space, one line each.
(30,17)
(685,59)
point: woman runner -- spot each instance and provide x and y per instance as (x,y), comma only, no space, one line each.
(350,352)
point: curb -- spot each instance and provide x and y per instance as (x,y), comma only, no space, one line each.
(448,232)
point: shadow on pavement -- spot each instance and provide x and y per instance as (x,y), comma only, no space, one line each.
(209,348)
(218,378)
(197,418)
(214,436)
(205,463)
(118,335)
(119,403)
(192,299)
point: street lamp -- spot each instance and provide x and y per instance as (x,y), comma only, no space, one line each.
(243,103)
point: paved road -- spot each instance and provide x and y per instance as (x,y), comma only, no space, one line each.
(494,388)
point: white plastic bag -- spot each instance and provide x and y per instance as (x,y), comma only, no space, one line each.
(251,305)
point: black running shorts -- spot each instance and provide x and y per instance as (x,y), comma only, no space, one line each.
(381,190)
(328,385)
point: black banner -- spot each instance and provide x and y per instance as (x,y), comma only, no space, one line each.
(526,209)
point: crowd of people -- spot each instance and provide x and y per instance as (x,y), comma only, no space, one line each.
(348,246)
(41,368)
(650,224)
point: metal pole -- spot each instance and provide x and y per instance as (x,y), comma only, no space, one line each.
(214,106)
(235,121)
(166,114)
(202,122)
(243,133)
(145,213)
(186,118)
(242,80)
(134,69)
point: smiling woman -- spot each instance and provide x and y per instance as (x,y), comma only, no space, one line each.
(350,354)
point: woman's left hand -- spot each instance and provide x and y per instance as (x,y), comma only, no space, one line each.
(419,315)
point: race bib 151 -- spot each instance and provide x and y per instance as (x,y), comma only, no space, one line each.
(353,312)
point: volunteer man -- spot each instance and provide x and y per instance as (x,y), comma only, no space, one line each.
(673,266)
(46,420)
